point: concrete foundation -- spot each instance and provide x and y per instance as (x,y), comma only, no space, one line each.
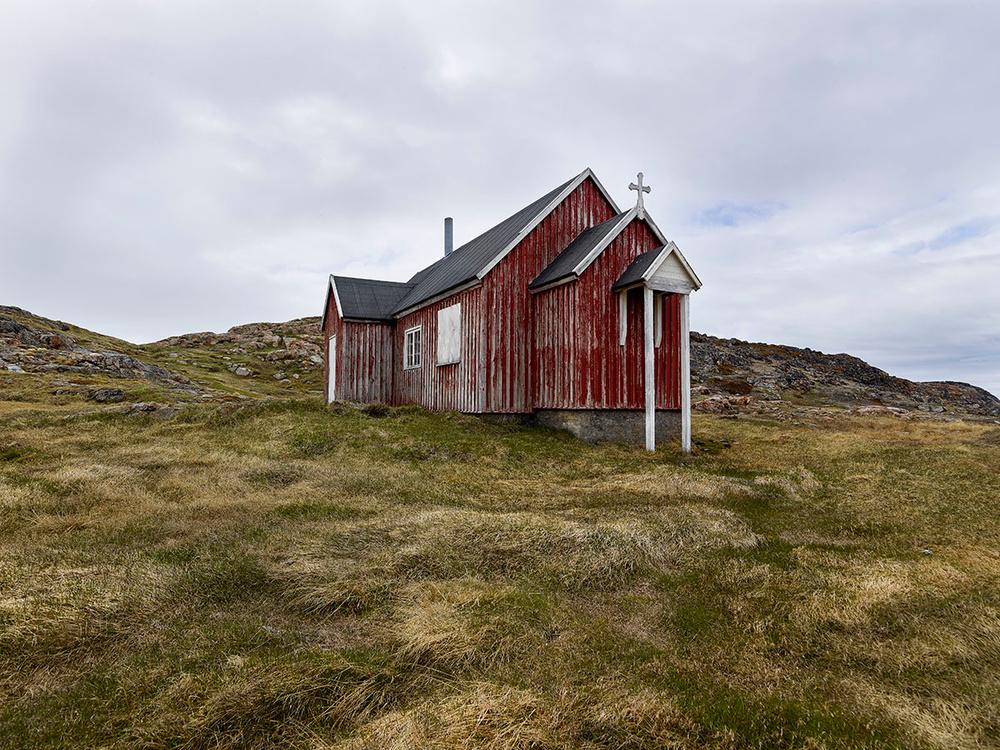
(601,425)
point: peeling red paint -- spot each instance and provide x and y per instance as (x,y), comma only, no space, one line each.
(579,363)
(557,349)
(509,327)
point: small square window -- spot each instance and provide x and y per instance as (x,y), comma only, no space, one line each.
(412,348)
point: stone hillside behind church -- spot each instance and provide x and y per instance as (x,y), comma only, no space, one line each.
(729,375)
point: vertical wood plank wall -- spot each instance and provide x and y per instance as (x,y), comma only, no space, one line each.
(509,326)
(579,363)
(557,349)
(367,352)
(446,387)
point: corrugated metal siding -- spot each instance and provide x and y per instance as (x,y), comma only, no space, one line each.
(579,363)
(509,328)
(448,387)
(365,362)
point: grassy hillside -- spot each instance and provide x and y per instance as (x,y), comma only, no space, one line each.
(65,364)
(260,572)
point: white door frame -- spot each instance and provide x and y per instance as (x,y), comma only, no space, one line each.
(649,344)
(331,378)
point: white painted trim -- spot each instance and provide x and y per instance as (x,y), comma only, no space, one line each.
(552,285)
(604,190)
(671,248)
(634,285)
(336,296)
(406,334)
(444,295)
(577,181)
(658,320)
(650,387)
(330,289)
(667,286)
(686,373)
(622,316)
(584,264)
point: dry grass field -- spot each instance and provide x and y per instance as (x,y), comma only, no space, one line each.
(246,575)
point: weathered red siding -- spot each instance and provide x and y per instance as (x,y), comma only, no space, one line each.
(557,349)
(363,358)
(509,327)
(578,362)
(447,387)
(366,371)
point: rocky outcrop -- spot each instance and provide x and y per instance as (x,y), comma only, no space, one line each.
(27,348)
(294,344)
(729,375)
(108,395)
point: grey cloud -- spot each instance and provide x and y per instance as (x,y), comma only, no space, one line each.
(831,170)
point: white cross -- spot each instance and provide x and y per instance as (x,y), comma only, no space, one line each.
(640,189)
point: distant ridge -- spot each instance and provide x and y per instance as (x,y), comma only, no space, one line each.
(724,371)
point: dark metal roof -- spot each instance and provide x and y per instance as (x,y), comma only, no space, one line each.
(467,261)
(564,263)
(369,299)
(637,269)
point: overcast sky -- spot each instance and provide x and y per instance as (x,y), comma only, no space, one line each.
(831,170)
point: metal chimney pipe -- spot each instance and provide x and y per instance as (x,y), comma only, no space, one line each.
(449,239)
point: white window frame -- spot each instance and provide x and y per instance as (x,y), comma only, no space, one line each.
(411,362)
(449,335)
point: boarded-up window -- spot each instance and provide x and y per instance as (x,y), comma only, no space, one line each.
(411,348)
(449,343)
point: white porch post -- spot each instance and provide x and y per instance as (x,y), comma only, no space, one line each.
(686,373)
(647,307)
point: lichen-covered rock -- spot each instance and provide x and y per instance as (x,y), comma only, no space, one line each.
(38,345)
(151,409)
(108,395)
(769,372)
(297,342)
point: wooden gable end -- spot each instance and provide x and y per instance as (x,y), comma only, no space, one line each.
(508,301)
(672,276)
(578,361)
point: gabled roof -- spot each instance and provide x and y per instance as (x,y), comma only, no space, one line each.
(370,299)
(646,265)
(473,260)
(589,242)
(637,269)
(367,299)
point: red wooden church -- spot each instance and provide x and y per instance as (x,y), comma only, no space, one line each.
(571,312)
